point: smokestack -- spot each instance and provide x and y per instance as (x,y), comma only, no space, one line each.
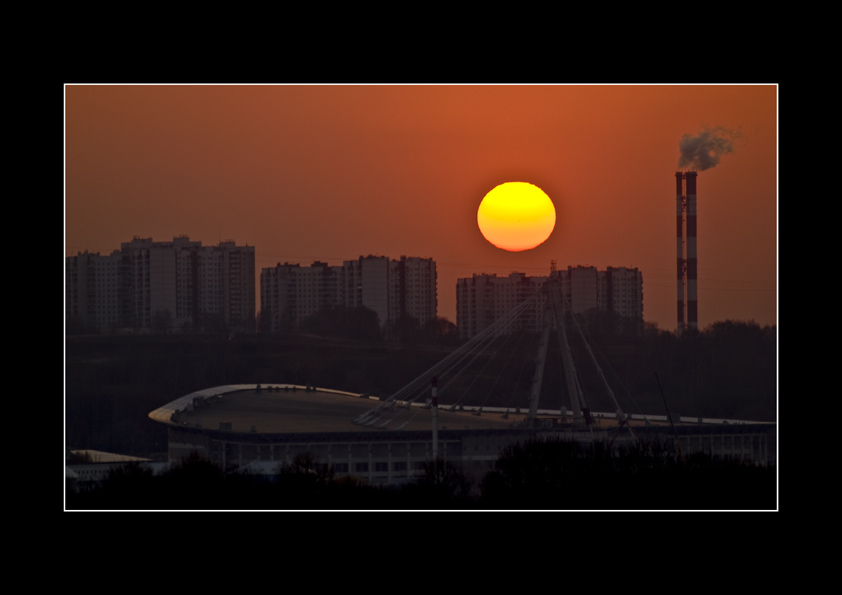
(687,268)
(699,152)
(679,246)
(692,275)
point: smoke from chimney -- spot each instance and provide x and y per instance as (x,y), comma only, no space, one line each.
(704,151)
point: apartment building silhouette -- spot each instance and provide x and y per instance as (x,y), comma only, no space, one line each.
(482,299)
(290,293)
(163,286)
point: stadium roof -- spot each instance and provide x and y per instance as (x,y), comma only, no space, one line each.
(292,409)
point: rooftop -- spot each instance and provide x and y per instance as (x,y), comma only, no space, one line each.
(289,409)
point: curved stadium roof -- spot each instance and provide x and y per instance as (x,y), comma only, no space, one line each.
(293,409)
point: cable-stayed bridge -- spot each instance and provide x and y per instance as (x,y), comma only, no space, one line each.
(498,370)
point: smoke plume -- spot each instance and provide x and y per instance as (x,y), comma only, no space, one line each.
(705,150)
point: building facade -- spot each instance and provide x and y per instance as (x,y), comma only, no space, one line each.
(412,290)
(178,285)
(290,293)
(483,299)
(94,290)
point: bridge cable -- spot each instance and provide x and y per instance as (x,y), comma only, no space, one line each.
(420,384)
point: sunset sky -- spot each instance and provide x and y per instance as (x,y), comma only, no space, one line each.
(333,172)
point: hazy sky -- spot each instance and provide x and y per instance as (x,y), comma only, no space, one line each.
(331,173)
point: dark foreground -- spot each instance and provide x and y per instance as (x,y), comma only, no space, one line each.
(534,476)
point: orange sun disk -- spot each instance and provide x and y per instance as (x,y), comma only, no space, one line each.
(516,216)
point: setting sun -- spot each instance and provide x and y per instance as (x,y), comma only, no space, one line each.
(516,216)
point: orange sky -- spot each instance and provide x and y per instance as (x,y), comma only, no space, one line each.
(330,173)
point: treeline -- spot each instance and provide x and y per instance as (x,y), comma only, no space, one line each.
(363,324)
(540,475)
(728,370)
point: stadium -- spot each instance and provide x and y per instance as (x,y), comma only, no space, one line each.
(259,428)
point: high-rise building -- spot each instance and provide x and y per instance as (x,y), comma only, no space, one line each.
(412,290)
(178,285)
(371,285)
(94,286)
(483,299)
(289,293)
(621,292)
